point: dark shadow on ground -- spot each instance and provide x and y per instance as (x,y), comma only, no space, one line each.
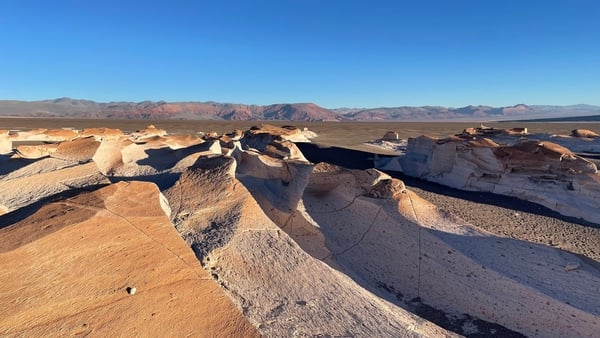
(163,180)
(8,164)
(347,158)
(26,211)
(489,198)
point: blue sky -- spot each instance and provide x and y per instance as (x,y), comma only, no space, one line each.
(334,53)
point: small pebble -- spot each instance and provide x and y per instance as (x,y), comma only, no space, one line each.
(572,266)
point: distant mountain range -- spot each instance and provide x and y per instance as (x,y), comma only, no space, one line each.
(73,108)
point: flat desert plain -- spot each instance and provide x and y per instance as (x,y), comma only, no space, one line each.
(343,134)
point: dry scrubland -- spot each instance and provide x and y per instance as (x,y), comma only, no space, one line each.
(163,231)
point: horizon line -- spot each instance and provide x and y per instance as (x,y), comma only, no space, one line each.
(329,108)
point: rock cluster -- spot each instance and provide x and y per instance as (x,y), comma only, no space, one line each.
(537,168)
(240,235)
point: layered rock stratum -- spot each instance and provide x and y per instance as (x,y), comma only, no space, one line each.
(108,233)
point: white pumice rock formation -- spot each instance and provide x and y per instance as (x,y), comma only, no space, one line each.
(387,236)
(539,171)
(34,152)
(45,135)
(280,288)
(277,245)
(5,142)
(150,131)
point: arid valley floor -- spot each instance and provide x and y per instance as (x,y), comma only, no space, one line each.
(115,228)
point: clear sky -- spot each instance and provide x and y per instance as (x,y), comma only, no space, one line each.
(343,53)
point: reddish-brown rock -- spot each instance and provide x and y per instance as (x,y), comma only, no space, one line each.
(71,268)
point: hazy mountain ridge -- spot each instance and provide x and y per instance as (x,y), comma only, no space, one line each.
(76,108)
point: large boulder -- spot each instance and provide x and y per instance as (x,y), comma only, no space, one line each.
(390,136)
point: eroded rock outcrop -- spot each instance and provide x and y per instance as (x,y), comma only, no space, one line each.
(78,150)
(300,249)
(108,263)
(580,140)
(29,188)
(45,135)
(585,133)
(5,142)
(538,171)
(287,133)
(385,235)
(154,156)
(35,151)
(255,261)
(150,131)
(102,134)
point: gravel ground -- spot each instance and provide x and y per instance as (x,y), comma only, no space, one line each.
(512,217)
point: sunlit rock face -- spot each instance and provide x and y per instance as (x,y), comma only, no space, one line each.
(45,135)
(108,263)
(580,140)
(584,133)
(5,142)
